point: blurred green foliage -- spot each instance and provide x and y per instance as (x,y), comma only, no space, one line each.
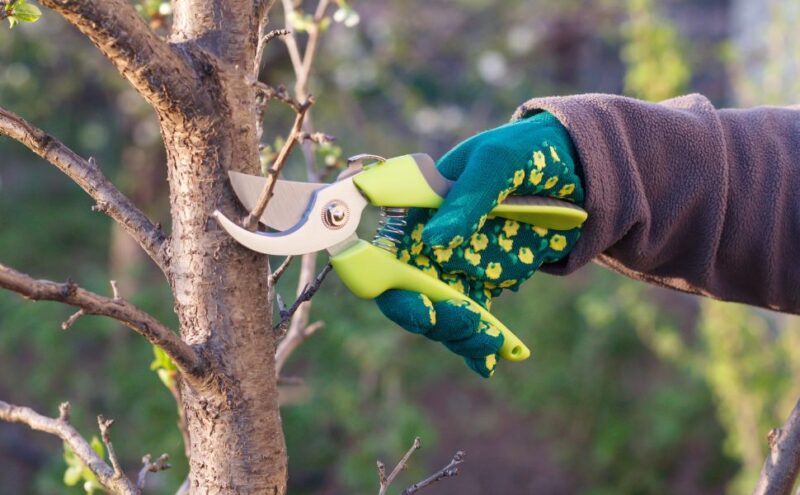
(654,53)
(630,389)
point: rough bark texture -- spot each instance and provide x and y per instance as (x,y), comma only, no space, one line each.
(220,288)
(199,82)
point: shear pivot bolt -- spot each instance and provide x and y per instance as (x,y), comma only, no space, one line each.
(335,214)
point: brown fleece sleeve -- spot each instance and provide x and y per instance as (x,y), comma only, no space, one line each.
(686,196)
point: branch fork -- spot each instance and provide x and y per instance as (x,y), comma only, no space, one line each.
(112,477)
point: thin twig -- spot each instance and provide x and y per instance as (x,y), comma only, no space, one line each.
(446,472)
(386,481)
(279,93)
(278,273)
(107,476)
(252,218)
(307,293)
(317,137)
(262,45)
(783,462)
(273,34)
(115,290)
(148,466)
(105,428)
(121,310)
(72,319)
(262,12)
(299,329)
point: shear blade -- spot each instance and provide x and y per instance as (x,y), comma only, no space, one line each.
(289,200)
(311,233)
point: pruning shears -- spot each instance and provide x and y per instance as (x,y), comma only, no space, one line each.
(308,217)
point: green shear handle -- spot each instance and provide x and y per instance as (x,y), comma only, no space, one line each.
(414,181)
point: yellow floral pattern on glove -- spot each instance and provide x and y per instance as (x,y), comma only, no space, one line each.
(480,256)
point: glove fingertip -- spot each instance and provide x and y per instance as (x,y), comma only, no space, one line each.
(483,366)
(411,310)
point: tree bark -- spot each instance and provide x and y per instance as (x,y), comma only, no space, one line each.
(221,288)
(200,84)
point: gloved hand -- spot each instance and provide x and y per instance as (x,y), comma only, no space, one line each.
(478,256)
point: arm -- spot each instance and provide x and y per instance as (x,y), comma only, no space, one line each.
(686,196)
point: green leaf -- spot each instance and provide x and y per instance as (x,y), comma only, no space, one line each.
(92,486)
(25,12)
(162,360)
(72,475)
(167,378)
(324,24)
(69,456)
(98,448)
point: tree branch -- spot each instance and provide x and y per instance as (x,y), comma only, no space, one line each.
(113,480)
(278,273)
(384,480)
(305,295)
(88,175)
(274,171)
(148,466)
(446,472)
(94,304)
(783,462)
(154,67)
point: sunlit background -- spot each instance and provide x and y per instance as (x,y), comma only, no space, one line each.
(632,389)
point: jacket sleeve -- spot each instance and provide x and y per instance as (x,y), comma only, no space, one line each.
(686,196)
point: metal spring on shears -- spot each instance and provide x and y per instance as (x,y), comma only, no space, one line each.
(391,228)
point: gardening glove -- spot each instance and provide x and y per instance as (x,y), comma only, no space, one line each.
(481,256)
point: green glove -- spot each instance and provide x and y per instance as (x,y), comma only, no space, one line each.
(478,256)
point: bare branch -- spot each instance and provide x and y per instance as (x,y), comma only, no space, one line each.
(88,175)
(274,34)
(148,466)
(154,67)
(263,8)
(278,273)
(299,328)
(105,427)
(446,472)
(317,137)
(252,219)
(302,65)
(783,462)
(262,44)
(72,319)
(381,473)
(94,304)
(280,93)
(307,293)
(384,480)
(113,480)
(114,289)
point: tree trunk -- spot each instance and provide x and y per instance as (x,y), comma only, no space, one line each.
(221,288)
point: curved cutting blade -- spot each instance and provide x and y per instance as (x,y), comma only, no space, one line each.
(312,232)
(289,200)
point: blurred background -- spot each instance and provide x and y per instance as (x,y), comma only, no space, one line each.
(632,389)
